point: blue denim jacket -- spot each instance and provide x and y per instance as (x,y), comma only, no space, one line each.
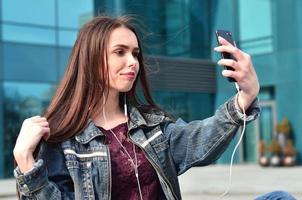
(80,168)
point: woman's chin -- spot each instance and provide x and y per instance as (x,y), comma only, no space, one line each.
(125,89)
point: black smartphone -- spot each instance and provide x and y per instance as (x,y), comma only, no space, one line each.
(228,36)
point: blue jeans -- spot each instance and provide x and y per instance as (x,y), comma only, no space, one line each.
(276,195)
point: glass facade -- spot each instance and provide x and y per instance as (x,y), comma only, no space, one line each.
(185,104)
(50,22)
(36,43)
(271,35)
(255,28)
(29,12)
(177,28)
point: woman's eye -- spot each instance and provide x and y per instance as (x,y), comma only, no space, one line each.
(135,54)
(119,52)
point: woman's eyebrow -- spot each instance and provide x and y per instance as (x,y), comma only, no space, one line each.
(125,47)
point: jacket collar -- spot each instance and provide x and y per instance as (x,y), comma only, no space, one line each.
(137,119)
(152,117)
(90,132)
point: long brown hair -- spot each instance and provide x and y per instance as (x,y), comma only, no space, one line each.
(84,83)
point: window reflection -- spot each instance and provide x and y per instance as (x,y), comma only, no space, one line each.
(63,61)
(27,34)
(256,27)
(74,13)
(21,100)
(189,106)
(180,29)
(29,62)
(67,38)
(29,11)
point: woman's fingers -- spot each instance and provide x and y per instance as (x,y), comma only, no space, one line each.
(231,74)
(237,53)
(223,41)
(242,64)
(32,130)
(238,76)
(244,72)
(43,124)
(37,119)
(228,73)
(46,133)
(229,48)
(228,62)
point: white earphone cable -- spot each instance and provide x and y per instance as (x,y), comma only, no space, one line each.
(237,145)
(133,161)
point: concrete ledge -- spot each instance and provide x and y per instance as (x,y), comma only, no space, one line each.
(8,189)
(248,181)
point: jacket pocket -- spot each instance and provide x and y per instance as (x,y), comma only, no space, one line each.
(80,169)
(159,147)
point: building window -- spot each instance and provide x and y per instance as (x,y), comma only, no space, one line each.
(49,22)
(28,34)
(73,14)
(67,38)
(34,12)
(186,104)
(255,28)
(177,15)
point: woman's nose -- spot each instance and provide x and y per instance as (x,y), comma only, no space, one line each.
(132,61)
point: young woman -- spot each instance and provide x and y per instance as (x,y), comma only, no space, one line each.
(98,140)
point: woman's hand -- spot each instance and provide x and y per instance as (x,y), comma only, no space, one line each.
(32,130)
(244,72)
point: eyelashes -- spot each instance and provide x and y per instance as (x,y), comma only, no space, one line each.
(135,54)
(122,52)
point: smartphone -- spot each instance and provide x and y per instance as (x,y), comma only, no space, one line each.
(228,36)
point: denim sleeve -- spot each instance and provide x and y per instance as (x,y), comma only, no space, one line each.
(48,179)
(201,142)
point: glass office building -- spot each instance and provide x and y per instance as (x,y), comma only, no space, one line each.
(271,36)
(36,42)
(178,37)
(36,37)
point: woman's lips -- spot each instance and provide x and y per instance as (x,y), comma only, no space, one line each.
(129,75)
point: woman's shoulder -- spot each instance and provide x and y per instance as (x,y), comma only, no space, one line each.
(151,115)
(149,109)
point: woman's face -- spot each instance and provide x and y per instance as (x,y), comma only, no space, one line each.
(122,62)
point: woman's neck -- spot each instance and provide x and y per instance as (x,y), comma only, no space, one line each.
(111,115)
(111,106)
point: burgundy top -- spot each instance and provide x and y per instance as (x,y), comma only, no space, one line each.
(124,182)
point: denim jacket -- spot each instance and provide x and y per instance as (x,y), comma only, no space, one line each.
(80,168)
